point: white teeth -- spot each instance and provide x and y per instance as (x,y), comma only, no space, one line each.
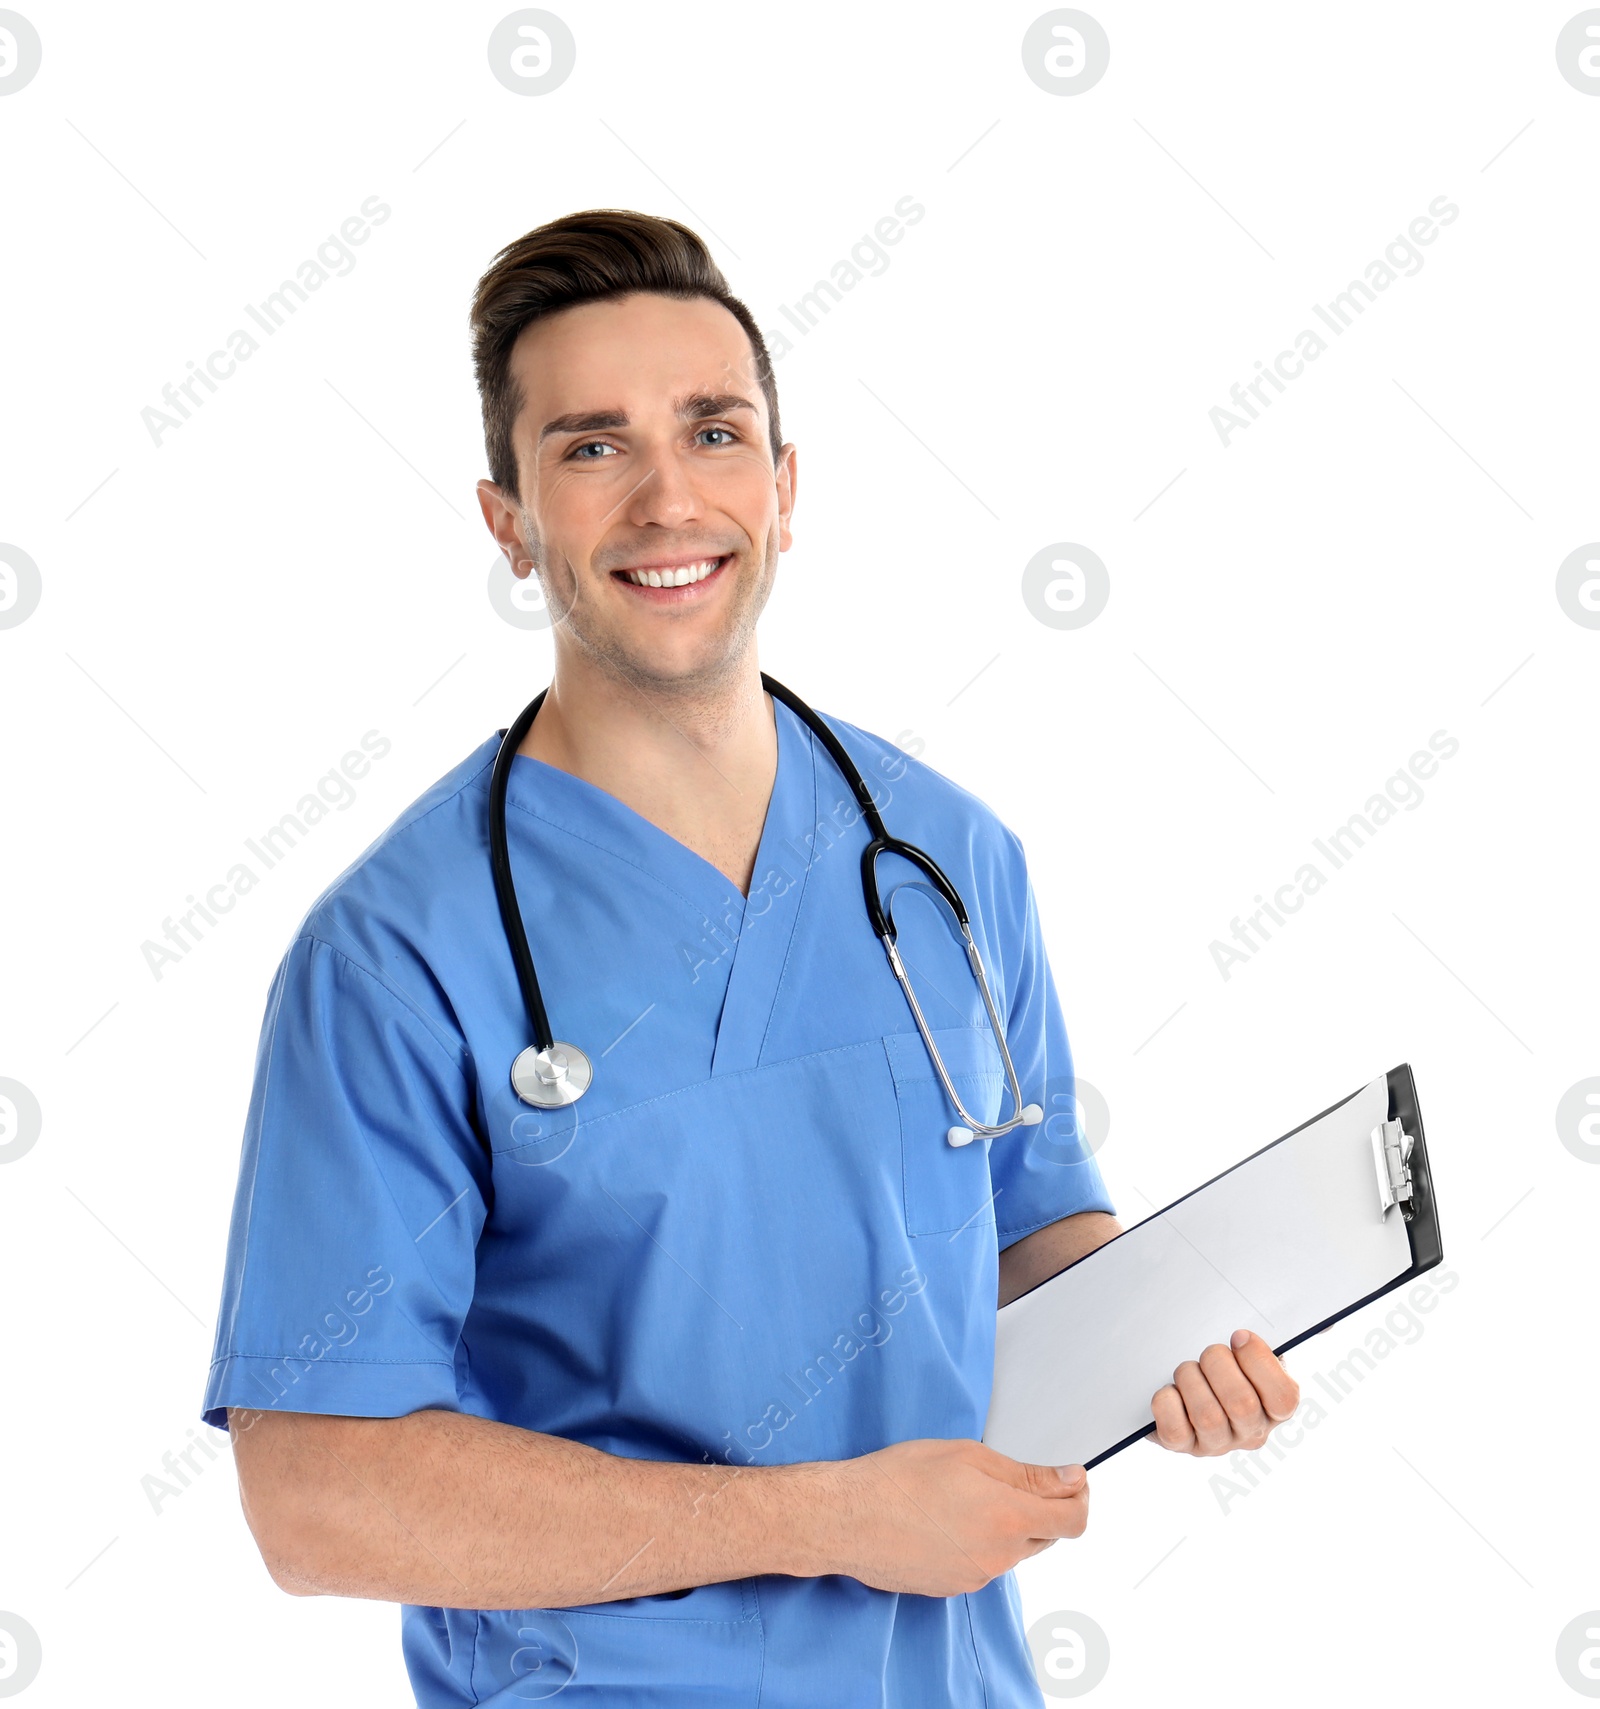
(679,577)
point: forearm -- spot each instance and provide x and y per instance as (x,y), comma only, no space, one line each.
(1049,1250)
(451,1510)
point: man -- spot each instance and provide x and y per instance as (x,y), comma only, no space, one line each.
(675,1389)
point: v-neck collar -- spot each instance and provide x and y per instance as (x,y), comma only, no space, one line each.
(769,915)
(591,814)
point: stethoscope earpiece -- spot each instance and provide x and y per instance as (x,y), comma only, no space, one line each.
(1031,1116)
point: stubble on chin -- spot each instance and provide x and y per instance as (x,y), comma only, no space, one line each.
(721,658)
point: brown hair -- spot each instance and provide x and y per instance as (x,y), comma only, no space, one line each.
(586,258)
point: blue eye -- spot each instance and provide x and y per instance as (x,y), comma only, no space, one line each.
(576,453)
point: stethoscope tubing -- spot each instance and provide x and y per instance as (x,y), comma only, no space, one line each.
(505,888)
(546,1049)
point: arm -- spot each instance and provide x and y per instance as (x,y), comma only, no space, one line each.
(380,1487)
(451,1510)
(1049,1250)
(1231,1397)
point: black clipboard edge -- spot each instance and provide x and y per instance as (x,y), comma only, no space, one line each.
(1427,1246)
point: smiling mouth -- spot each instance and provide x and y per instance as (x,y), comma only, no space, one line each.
(673,576)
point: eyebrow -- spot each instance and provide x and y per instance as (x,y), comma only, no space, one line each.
(695,406)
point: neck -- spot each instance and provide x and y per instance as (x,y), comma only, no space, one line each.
(696,759)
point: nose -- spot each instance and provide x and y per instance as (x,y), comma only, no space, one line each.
(666,493)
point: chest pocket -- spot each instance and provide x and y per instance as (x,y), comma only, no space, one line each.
(947,1187)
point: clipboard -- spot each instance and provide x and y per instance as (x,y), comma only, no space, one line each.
(1337,1213)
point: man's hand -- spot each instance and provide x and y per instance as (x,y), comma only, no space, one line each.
(1230,1397)
(940,1518)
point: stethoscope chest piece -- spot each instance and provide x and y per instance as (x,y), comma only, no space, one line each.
(551,1078)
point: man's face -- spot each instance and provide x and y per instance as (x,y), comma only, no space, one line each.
(643,446)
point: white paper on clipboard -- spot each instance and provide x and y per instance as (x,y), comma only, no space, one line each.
(1284,1241)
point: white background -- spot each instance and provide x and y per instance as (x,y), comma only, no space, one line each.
(225,614)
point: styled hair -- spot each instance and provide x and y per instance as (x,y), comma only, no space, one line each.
(586,258)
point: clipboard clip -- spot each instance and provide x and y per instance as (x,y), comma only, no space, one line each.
(1391,1157)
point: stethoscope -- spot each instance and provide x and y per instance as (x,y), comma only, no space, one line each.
(551,1073)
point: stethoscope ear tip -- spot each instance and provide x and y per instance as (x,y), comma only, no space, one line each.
(1031,1116)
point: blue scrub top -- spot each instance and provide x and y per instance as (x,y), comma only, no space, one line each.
(750,1241)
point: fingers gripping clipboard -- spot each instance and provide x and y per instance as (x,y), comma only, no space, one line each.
(1300,1234)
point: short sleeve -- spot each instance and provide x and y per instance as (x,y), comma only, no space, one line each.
(361,1196)
(1046,1172)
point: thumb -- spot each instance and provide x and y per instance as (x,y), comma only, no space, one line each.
(1055,1480)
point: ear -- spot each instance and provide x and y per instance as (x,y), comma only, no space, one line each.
(503,518)
(787,477)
